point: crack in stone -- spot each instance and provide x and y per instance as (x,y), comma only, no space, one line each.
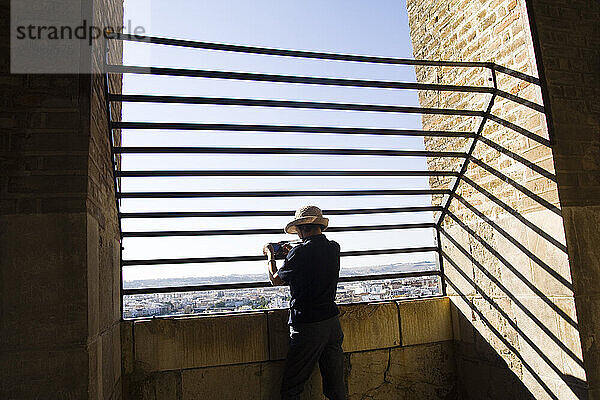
(368,395)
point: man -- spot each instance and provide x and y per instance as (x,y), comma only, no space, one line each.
(311,269)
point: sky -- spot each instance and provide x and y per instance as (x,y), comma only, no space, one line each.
(378,28)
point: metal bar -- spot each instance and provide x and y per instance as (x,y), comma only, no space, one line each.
(517,74)
(204,260)
(463,169)
(522,101)
(254,285)
(299,193)
(516,185)
(516,214)
(516,157)
(286,104)
(181,173)
(294,53)
(274,231)
(288,150)
(520,130)
(356,211)
(306,80)
(438,240)
(288,128)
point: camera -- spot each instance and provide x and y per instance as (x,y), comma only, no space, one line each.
(281,249)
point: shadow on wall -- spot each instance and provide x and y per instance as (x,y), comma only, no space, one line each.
(483,374)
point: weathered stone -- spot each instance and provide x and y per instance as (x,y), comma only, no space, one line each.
(279,334)
(424,371)
(365,327)
(34,374)
(415,372)
(234,382)
(166,385)
(369,326)
(271,377)
(462,327)
(43,269)
(368,375)
(127,358)
(425,321)
(200,341)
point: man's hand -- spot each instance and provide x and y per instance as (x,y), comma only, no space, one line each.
(268,251)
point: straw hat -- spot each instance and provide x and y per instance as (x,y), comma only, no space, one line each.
(307,215)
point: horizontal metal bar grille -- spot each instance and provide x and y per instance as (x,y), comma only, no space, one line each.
(276,78)
(179,173)
(255,285)
(295,53)
(286,129)
(306,80)
(288,104)
(275,231)
(286,193)
(194,214)
(204,260)
(284,150)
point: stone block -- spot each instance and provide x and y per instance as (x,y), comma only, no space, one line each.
(369,326)
(270,382)
(233,382)
(165,344)
(423,371)
(556,260)
(425,321)
(368,375)
(111,359)
(365,326)
(270,379)
(588,310)
(127,358)
(415,372)
(456,259)
(583,236)
(43,280)
(462,327)
(45,374)
(569,336)
(519,262)
(166,385)
(279,334)
(93,289)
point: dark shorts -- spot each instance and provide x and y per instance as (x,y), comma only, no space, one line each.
(311,343)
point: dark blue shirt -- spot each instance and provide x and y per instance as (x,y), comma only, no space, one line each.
(312,270)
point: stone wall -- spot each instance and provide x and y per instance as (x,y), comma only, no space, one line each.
(569,51)
(505,256)
(400,350)
(59,240)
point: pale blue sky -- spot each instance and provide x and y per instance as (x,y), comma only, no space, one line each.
(359,27)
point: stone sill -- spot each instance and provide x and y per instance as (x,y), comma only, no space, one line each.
(163,344)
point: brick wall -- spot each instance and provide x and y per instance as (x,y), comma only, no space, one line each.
(507,266)
(58,232)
